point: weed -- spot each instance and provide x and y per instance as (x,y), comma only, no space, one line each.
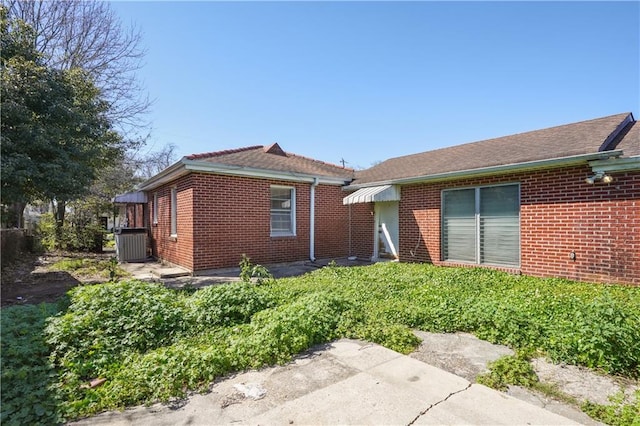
(152,343)
(88,267)
(620,412)
(249,271)
(508,370)
(28,382)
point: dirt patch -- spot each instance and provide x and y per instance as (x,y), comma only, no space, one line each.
(32,280)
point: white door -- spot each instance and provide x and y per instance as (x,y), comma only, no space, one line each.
(386,240)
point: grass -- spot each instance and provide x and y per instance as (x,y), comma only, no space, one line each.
(91,267)
(151,343)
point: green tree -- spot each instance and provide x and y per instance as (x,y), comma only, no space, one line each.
(56,133)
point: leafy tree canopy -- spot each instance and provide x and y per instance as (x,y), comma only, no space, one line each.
(55,128)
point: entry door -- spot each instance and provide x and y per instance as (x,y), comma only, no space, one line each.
(386,241)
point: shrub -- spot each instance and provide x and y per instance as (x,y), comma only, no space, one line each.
(396,337)
(225,305)
(104,321)
(275,334)
(84,237)
(153,343)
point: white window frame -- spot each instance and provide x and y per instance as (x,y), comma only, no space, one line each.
(291,232)
(155,209)
(478,242)
(174,211)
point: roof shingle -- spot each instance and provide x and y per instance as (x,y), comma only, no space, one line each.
(273,158)
(584,137)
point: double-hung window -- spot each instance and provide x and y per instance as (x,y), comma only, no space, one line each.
(482,225)
(283,211)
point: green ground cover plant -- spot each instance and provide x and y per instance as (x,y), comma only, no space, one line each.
(151,343)
(618,413)
(92,267)
(28,380)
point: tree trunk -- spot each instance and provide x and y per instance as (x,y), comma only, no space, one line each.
(15,216)
(61,207)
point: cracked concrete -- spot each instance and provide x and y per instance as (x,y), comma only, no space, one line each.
(346,382)
(422,413)
(467,356)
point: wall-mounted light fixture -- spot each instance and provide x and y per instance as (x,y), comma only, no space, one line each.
(599,176)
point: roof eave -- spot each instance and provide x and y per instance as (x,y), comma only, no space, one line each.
(226,169)
(167,175)
(185,166)
(504,168)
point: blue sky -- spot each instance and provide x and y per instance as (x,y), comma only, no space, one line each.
(366,81)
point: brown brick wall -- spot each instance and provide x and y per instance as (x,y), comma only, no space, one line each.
(559,214)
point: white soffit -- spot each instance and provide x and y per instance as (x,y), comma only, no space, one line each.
(373,194)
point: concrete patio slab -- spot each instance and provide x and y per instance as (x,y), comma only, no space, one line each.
(480,405)
(348,382)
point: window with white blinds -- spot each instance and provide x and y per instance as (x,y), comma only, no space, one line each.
(482,225)
(283,212)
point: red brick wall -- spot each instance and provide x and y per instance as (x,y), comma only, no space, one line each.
(331,223)
(228,216)
(361,218)
(232,217)
(600,223)
(559,214)
(178,249)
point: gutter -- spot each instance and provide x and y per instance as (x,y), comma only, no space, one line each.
(312,220)
(505,168)
(616,165)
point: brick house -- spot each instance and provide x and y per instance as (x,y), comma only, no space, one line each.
(562,201)
(207,210)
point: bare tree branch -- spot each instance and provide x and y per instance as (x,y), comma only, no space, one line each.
(88,35)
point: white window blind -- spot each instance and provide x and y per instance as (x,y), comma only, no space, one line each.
(482,225)
(282,211)
(459,225)
(500,225)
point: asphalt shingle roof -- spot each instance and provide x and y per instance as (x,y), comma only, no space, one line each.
(273,158)
(630,143)
(584,137)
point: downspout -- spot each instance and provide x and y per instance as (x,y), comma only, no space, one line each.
(312,220)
